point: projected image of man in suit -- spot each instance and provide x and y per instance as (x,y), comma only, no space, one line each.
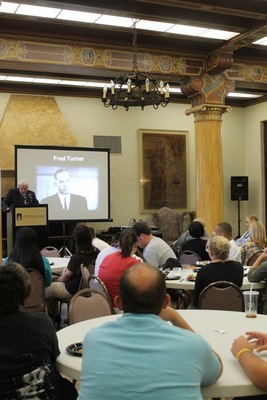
(64,202)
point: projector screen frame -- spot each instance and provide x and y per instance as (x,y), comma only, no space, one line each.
(99,176)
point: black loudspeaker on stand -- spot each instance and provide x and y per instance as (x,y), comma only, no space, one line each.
(239,192)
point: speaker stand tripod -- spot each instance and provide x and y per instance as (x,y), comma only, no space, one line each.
(238,219)
(64,249)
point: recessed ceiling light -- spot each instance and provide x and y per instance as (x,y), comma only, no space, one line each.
(19,79)
(218,34)
(47,81)
(78,16)
(153,26)
(36,11)
(115,21)
(186,30)
(9,8)
(72,83)
(244,95)
(262,41)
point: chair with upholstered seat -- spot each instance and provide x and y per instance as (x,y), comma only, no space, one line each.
(96,283)
(188,257)
(253,258)
(88,304)
(35,302)
(221,295)
(85,276)
(50,251)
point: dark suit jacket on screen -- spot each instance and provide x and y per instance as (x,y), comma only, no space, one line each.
(78,205)
(14,198)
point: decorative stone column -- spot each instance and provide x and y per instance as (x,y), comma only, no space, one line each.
(207,94)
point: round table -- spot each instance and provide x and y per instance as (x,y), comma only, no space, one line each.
(190,285)
(232,383)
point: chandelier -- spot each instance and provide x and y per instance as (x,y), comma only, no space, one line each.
(135,89)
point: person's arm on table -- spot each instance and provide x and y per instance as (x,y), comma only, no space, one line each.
(171,315)
(260,259)
(254,367)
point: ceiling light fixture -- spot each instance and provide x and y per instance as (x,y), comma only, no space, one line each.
(135,89)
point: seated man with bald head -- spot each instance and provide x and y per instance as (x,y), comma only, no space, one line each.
(140,355)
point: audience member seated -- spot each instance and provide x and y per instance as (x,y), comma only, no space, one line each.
(245,350)
(140,355)
(98,243)
(68,283)
(220,268)
(225,229)
(155,250)
(196,244)
(257,234)
(257,273)
(177,245)
(26,252)
(245,237)
(29,345)
(103,253)
(116,263)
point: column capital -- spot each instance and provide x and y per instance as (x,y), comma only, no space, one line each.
(208,112)
(207,89)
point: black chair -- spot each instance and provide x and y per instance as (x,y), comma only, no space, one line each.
(221,295)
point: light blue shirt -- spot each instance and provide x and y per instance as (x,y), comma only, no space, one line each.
(140,356)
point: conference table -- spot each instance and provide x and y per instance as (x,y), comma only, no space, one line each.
(185,284)
(219,328)
(57,264)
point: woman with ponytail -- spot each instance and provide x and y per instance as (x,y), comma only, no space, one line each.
(116,263)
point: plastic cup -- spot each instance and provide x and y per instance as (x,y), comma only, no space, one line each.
(251,303)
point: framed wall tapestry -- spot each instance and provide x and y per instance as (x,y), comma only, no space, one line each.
(163,175)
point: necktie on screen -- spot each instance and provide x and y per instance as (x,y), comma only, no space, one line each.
(65,203)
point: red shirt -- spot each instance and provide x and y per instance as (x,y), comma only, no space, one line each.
(111,269)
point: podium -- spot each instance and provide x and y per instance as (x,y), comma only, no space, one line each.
(34,216)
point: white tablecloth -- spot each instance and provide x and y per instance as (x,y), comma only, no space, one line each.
(233,381)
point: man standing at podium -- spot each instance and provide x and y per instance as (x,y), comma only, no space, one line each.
(19,196)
